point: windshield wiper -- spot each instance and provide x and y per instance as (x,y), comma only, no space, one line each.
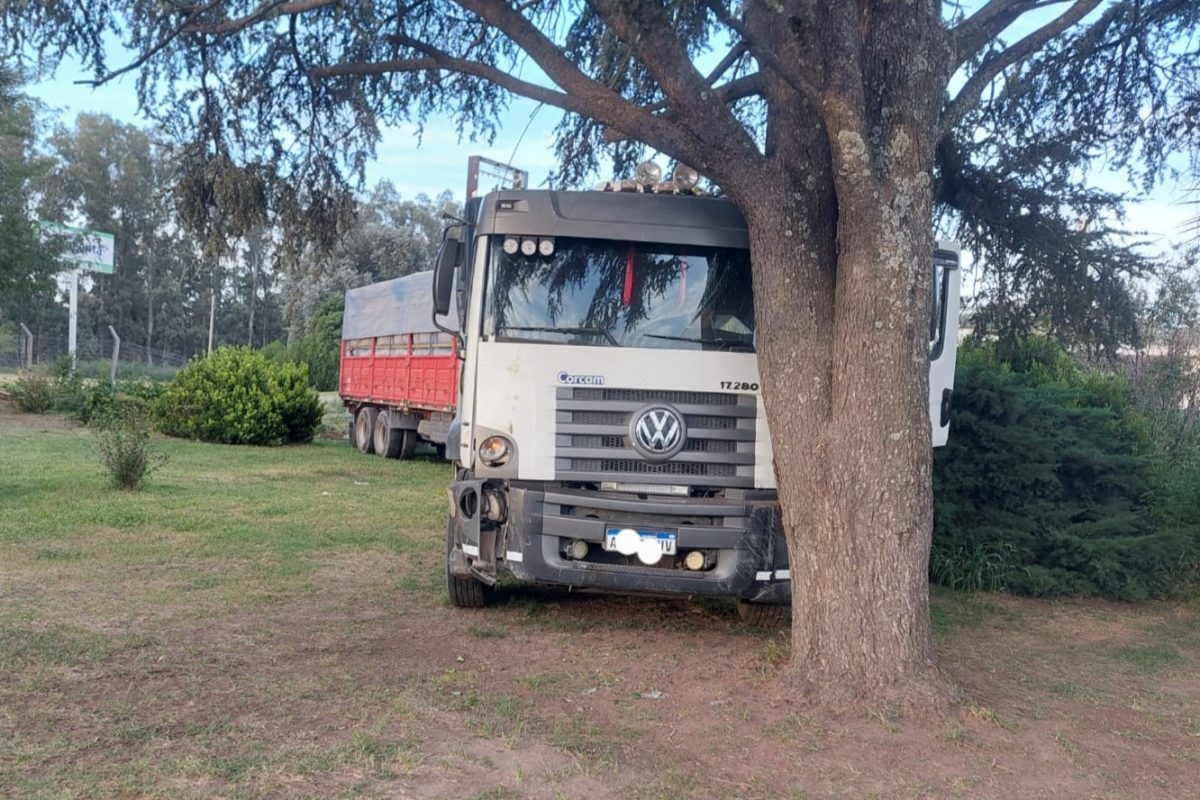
(578,331)
(700,340)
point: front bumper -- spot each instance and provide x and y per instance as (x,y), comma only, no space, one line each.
(743,529)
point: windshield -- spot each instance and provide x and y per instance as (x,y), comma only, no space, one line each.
(623,294)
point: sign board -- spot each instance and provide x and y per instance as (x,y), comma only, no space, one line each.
(83,249)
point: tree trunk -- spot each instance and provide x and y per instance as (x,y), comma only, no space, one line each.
(842,252)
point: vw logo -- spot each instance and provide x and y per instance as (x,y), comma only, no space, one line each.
(658,432)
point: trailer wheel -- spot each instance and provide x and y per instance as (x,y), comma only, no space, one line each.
(364,428)
(464,592)
(763,615)
(408,443)
(387,441)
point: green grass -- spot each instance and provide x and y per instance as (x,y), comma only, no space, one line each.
(222,525)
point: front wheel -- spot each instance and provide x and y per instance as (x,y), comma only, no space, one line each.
(763,615)
(463,592)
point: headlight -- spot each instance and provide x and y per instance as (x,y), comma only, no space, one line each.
(495,451)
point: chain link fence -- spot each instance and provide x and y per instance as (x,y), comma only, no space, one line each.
(22,349)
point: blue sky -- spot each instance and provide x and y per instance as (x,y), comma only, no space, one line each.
(439,161)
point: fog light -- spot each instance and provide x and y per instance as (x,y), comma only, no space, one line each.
(495,451)
(694,560)
(579,549)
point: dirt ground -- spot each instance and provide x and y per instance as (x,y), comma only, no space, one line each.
(569,696)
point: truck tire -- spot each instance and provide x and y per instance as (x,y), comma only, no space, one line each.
(387,440)
(408,443)
(463,592)
(763,615)
(364,429)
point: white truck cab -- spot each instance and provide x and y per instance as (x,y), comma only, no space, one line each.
(610,432)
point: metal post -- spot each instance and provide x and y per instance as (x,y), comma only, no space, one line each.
(73,320)
(27,350)
(112,375)
(212,318)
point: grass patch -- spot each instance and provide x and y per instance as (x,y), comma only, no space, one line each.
(220,525)
(1147,659)
(1080,693)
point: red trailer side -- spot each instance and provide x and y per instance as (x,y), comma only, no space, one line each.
(398,375)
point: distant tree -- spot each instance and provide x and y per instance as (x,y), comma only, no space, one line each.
(389,238)
(27,266)
(822,121)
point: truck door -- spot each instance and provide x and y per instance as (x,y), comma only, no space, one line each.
(943,338)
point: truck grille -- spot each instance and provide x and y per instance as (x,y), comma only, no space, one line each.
(592,441)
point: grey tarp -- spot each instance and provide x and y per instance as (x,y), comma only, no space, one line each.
(402,305)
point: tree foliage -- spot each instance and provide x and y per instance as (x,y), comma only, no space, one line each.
(27,265)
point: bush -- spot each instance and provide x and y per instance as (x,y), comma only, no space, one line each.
(1051,484)
(33,393)
(98,401)
(236,396)
(320,348)
(124,438)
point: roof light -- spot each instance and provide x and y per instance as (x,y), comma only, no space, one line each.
(647,174)
(685,178)
(546,247)
(529,246)
(511,246)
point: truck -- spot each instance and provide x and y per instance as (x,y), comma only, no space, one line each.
(610,433)
(398,373)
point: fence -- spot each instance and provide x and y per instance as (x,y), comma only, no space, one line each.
(95,357)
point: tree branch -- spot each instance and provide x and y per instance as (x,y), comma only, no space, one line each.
(189,15)
(731,92)
(445,62)
(763,55)
(594,99)
(272,8)
(991,68)
(974,32)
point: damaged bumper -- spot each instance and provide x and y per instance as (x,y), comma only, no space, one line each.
(741,536)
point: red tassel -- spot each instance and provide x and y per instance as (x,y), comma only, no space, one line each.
(627,292)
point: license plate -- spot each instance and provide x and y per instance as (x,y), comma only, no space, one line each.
(665,540)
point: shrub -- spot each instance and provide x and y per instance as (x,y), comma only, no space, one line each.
(33,393)
(236,396)
(101,399)
(124,438)
(1051,484)
(321,346)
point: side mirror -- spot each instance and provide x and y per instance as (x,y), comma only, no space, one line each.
(443,275)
